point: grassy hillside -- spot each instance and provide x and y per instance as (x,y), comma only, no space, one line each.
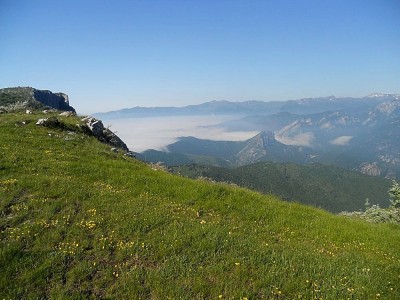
(329,187)
(79,221)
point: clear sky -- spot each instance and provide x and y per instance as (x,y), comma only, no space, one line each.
(108,55)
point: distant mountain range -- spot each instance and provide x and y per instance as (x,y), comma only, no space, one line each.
(360,134)
(223,107)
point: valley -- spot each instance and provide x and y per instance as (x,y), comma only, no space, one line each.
(360,134)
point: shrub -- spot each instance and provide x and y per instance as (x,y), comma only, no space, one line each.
(376,214)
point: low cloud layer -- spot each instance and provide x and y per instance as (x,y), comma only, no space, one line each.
(156,133)
(302,139)
(342,140)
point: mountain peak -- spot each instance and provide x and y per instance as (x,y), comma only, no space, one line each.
(380,95)
(256,147)
(331,97)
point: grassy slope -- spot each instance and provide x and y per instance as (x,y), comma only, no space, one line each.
(328,187)
(79,221)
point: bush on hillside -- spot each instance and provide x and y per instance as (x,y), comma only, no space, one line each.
(376,214)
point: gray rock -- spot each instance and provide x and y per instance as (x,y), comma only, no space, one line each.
(103,134)
(68,113)
(97,127)
(86,119)
(130,154)
(41,122)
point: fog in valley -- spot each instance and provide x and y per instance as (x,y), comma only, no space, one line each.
(157,132)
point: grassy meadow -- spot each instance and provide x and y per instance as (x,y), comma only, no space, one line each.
(78,221)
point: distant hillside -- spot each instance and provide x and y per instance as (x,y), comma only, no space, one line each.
(329,187)
(19,98)
(208,108)
(360,134)
(262,147)
(79,221)
(365,140)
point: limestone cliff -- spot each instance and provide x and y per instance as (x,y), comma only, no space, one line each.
(58,101)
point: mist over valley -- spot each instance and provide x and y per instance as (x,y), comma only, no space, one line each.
(157,133)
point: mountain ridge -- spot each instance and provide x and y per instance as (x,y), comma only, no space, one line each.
(304,105)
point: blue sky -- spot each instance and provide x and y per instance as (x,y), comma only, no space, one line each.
(108,55)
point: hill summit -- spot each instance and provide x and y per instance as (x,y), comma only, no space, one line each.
(20,98)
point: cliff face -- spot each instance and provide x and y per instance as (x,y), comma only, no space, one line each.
(58,101)
(19,98)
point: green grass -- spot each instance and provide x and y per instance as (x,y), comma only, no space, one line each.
(78,221)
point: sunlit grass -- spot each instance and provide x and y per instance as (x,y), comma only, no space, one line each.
(80,221)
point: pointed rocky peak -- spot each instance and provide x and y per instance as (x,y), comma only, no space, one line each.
(256,147)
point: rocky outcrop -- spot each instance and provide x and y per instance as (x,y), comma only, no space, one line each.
(102,133)
(370,169)
(68,114)
(22,98)
(90,126)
